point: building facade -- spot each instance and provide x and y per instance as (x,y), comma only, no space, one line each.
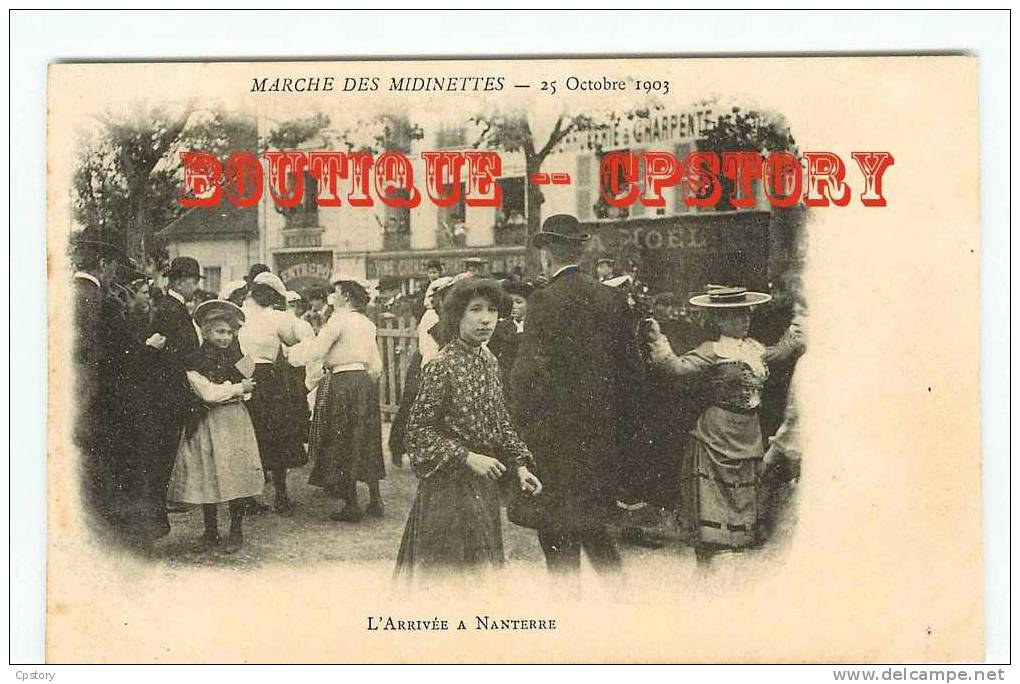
(676,247)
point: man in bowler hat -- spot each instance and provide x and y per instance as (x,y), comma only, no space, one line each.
(171,395)
(569,391)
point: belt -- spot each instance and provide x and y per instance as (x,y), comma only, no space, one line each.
(738,409)
(340,368)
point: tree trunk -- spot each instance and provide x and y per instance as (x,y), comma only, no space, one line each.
(533,264)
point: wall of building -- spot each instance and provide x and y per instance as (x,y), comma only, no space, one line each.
(233,256)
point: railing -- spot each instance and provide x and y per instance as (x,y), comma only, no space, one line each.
(398,340)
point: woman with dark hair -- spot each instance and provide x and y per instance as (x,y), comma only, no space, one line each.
(265,331)
(345,442)
(431,338)
(720,488)
(461,442)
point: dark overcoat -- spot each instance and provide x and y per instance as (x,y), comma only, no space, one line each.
(172,398)
(570,393)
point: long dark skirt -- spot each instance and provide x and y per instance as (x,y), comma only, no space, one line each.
(345,443)
(279,426)
(408,394)
(454,524)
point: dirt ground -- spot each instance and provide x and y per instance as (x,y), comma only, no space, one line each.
(307,535)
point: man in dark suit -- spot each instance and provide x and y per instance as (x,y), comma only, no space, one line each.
(570,394)
(111,367)
(172,398)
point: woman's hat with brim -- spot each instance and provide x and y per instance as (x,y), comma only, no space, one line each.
(560,228)
(272,280)
(729,298)
(619,281)
(218,308)
(337,278)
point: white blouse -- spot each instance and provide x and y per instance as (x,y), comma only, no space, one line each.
(265,329)
(427,344)
(212,393)
(348,337)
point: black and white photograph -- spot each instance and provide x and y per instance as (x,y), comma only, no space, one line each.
(516,358)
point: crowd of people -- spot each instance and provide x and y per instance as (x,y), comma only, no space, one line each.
(560,399)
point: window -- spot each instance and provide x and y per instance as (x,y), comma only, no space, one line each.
(397,225)
(603,210)
(511,220)
(305,214)
(450,222)
(211,282)
(683,190)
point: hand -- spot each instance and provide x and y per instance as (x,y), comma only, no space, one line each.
(248,385)
(485,466)
(529,483)
(770,456)
(156,341)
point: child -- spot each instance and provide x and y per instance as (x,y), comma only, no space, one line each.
(218,458)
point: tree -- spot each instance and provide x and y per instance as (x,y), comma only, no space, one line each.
(763,132)
(744,131)
(513,133)
(128,178)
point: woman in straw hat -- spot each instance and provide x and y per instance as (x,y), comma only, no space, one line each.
(722,471)
(218,457)
(345,442)
(266,331)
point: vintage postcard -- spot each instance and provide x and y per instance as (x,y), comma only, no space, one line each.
(515,360)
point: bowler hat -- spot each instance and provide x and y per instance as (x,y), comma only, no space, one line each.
(561,228)
(183,267)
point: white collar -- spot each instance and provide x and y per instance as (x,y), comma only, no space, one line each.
(89,277)
(748,350)
(176,295)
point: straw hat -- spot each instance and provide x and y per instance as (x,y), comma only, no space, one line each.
(218,308)
(360,282)
(729,298)
(273,281)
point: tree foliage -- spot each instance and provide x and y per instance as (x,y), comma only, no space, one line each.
(128,176)
(745,131)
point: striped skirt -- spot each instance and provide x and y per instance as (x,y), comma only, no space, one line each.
(345,442)
(720,493)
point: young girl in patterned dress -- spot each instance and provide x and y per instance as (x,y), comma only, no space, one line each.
(461,442)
